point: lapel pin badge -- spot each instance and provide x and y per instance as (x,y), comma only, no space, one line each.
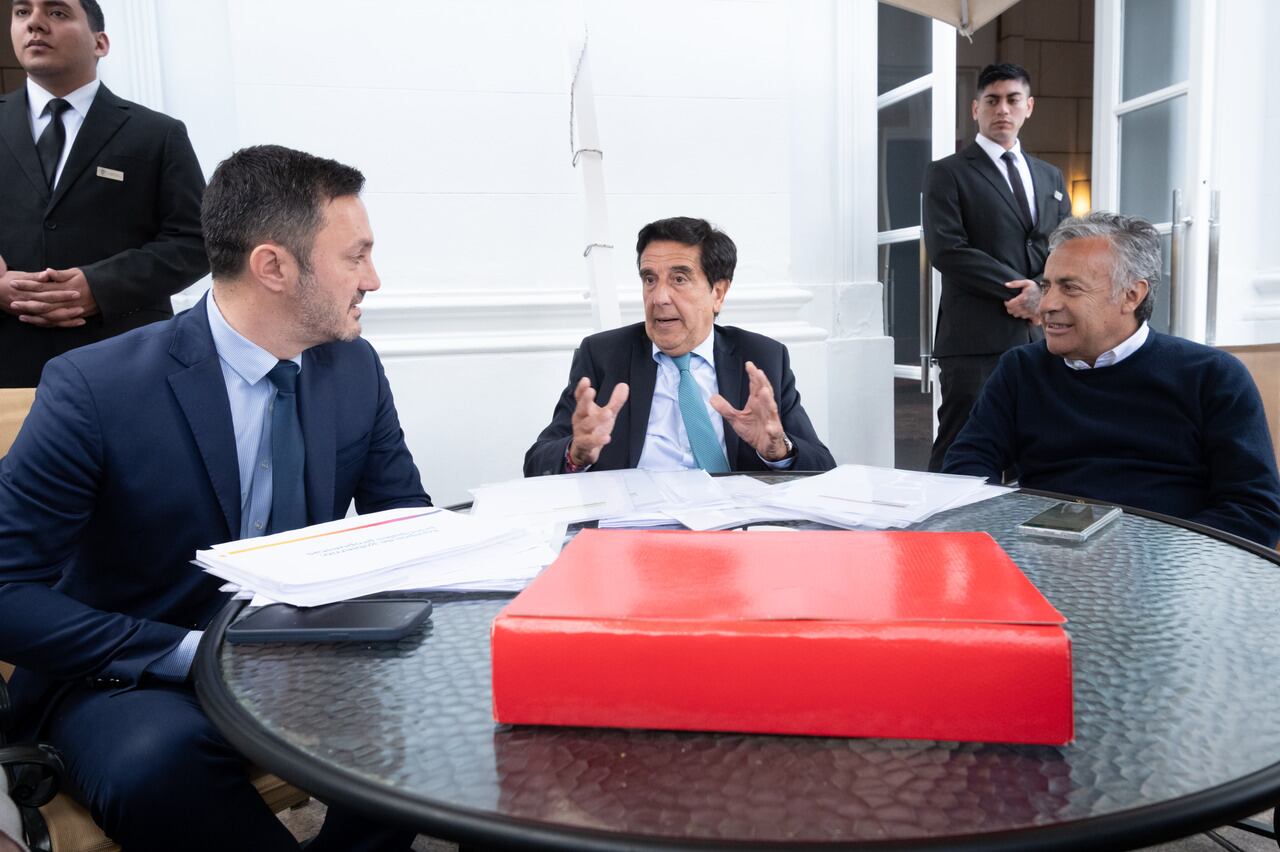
(1057,195)
(110,174)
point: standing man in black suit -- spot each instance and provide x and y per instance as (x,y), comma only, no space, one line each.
(988,213)
(701,395)
(99,197)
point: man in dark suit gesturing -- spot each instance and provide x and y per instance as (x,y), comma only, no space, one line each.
(701,395)
(99,197)
(988,213)
(256,411)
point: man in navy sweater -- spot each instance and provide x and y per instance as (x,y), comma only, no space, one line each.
(1107,408)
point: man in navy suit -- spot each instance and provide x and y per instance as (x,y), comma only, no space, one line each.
(144,448)
(988,214)
(99,197)
(684,374)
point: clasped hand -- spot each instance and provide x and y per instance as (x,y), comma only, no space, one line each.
(1025,305)
(54,298)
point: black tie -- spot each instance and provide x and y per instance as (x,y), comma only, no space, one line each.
(1019,192)
(49,145)
(288,456)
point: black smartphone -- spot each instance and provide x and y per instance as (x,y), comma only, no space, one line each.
(1070,521)
(372,620)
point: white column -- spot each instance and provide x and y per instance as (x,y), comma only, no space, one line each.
(859,355)
(132,68)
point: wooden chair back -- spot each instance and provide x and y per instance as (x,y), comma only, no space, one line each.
(1263,363)
(14,405)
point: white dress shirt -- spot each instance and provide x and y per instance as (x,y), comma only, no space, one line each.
(80,100)
(1111,357)
(995,151)
(666,444)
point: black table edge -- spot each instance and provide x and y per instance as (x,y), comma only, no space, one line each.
(1145,826)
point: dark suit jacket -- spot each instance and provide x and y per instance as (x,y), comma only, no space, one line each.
(137,240)
(626,355)
(127,465)
(977,239)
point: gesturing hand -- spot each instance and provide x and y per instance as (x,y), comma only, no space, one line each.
(593,424)
(54,298)
(757,422)
(1025,305)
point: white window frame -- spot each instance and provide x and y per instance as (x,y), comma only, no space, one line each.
(942,83)
(1108,107)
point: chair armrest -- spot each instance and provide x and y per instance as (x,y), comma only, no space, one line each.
(34,771)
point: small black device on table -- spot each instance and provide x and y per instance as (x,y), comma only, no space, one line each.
(360,620)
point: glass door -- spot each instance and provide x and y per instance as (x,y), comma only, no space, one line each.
(1151,145)
(915,87)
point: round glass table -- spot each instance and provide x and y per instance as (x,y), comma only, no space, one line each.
(1176,659)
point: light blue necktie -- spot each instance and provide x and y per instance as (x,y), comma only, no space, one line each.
(288,456)
(702,438)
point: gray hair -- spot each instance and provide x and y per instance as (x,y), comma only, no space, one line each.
(1135,251)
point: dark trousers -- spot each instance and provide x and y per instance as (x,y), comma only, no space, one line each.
(155,774)
(961,378)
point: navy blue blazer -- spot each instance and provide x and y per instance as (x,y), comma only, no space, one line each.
(127,465)
(626,355)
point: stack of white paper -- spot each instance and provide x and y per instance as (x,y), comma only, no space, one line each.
(568,498)
(878,498)
(655,493)
(515,528)
(721,503)
(850,496)
(410,548)
(654,520)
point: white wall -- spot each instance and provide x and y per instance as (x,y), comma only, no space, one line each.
(738,111)
(1247,124)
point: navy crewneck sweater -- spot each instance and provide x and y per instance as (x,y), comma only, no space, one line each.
(1176,427)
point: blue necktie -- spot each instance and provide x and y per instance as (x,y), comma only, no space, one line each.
(697,425)
(288,455)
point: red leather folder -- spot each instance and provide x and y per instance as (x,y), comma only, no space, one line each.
(919,635)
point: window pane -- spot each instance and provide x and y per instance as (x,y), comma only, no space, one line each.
(906,48)
(912,425)
(1160,314)
(905,149)
(900,272)
(1152,158)
(1155,45)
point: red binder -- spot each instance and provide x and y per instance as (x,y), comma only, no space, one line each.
(917,635)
